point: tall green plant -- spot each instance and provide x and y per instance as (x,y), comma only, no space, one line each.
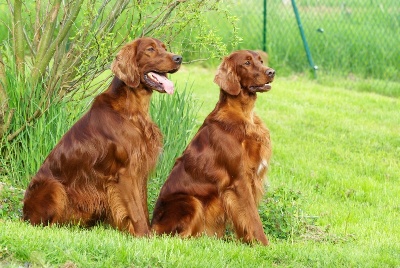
(23,156)
(175,115)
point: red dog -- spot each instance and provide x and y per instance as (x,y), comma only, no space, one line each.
(219,178)
(99,169)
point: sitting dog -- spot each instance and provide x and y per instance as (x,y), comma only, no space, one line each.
(219,178)
(99,169)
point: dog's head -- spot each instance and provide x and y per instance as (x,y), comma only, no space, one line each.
(146,61)
(244,69)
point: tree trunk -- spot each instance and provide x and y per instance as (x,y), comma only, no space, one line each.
(18,37)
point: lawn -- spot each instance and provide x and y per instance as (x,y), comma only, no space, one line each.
(337,148)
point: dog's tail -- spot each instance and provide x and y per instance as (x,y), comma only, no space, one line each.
(45,201)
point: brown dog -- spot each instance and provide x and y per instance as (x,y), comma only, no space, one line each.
(219,178)
(99,169)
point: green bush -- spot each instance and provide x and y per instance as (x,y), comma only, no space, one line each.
(281,214)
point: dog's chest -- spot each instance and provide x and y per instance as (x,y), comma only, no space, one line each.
(257,149)
(152,138)
(256,152)
(146,140)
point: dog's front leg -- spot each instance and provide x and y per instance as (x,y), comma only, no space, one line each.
(242,211)
(127,209)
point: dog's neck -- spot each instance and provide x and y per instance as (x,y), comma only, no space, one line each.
(242,104)
(116,83)
(127,99)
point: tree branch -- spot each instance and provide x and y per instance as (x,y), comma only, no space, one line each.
(36,29)
(115,13)
(18,37)
(7,124)
(36,115)
(154,24)
(43,46)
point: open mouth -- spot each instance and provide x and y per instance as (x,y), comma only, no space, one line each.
(263,88)
(159,82)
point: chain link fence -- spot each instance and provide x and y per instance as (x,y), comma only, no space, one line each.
(358,40)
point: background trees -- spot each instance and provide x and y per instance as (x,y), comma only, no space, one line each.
(57,49)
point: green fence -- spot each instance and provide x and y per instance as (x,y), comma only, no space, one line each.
(354,39)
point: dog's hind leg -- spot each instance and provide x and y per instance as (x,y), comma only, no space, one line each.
(179,214)
(45,202)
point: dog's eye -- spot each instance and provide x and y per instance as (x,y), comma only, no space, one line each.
(247,63)
(262,62)
(150,49)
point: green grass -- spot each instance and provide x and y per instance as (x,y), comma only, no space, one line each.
(338,148)
(100,247)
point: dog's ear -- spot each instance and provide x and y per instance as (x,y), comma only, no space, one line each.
(226,77)
(125,66)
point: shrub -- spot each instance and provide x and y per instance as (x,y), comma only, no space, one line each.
(281,214)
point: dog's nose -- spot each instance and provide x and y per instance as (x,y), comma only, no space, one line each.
(270,72)
(177,59)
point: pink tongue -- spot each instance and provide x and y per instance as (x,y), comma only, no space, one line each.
(166,84)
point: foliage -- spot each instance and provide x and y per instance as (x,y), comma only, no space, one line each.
(59,49)
(174,114)
(45,88)
(282,215)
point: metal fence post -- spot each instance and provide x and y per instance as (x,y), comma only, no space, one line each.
(303,37)
(265,27)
